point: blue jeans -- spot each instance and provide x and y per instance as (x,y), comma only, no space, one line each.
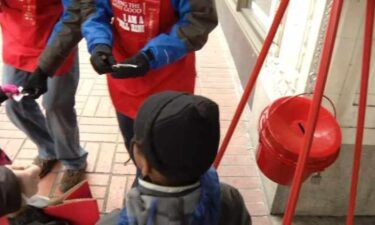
(56,135)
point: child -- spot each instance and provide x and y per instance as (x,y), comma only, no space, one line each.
(175,143)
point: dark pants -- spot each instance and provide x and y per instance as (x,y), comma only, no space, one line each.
(126,125)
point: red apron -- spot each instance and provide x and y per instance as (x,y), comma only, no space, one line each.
(26,27)
(135,23)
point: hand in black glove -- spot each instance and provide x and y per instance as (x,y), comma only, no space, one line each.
(136,66)
(102,59)
(36,85)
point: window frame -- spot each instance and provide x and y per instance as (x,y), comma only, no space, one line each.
(257,26)
(302,65)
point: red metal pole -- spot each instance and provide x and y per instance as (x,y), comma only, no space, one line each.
(314,109)
(367,47)
(253,78)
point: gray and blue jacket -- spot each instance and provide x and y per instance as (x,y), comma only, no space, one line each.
(91,19)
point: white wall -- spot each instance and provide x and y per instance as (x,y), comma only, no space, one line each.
(291,62)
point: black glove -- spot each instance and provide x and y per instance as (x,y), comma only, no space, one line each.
(31,215)
(136,66)
(36,85)
(3,96)
(102,59)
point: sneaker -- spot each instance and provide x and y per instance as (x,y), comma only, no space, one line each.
(71,178)
(45,165)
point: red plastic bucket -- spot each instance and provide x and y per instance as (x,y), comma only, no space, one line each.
(281,133)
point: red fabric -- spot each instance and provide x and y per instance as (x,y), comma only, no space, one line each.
(158,17)
(26,27)
(81,190)
(78,207)
(76,212)
(4,159)
(3,221)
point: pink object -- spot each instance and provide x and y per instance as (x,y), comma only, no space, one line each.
(4,159)
(10,89)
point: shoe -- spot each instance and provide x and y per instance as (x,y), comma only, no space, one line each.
(71,178)
(45,165)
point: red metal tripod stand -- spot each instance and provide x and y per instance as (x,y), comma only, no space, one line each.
(317,99)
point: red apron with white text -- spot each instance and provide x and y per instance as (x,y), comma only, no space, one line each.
(26,26)
(135,23)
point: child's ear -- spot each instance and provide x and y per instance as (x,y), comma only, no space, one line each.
(141,161)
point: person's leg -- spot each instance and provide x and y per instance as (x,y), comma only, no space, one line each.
(27,116)
(126,125)
(62,123)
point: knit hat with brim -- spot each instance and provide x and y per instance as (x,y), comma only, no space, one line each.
(179,134)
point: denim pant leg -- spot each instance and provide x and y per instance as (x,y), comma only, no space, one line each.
(26,115)
(61,118)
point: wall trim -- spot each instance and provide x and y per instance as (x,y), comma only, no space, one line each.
(248,26)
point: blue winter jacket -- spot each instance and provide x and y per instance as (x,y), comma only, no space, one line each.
(196,19)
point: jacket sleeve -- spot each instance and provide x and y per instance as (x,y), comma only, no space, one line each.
(10,192)
(96,26)
(64,37)
(232,209)
(197,18)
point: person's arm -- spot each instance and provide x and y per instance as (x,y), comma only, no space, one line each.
(197,18)
(93,15)
(10,192)
(97,31)
(64,38)
(233,209)
(66,34)
(96,27)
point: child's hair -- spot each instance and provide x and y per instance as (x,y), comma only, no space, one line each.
(178,133)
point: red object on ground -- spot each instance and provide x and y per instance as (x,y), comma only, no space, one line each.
(367,47)
(3,221)
(76,212)
(4,159)
(77,207)
(81,190)
(282,130)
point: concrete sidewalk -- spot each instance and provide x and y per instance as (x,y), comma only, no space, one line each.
(109,178)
